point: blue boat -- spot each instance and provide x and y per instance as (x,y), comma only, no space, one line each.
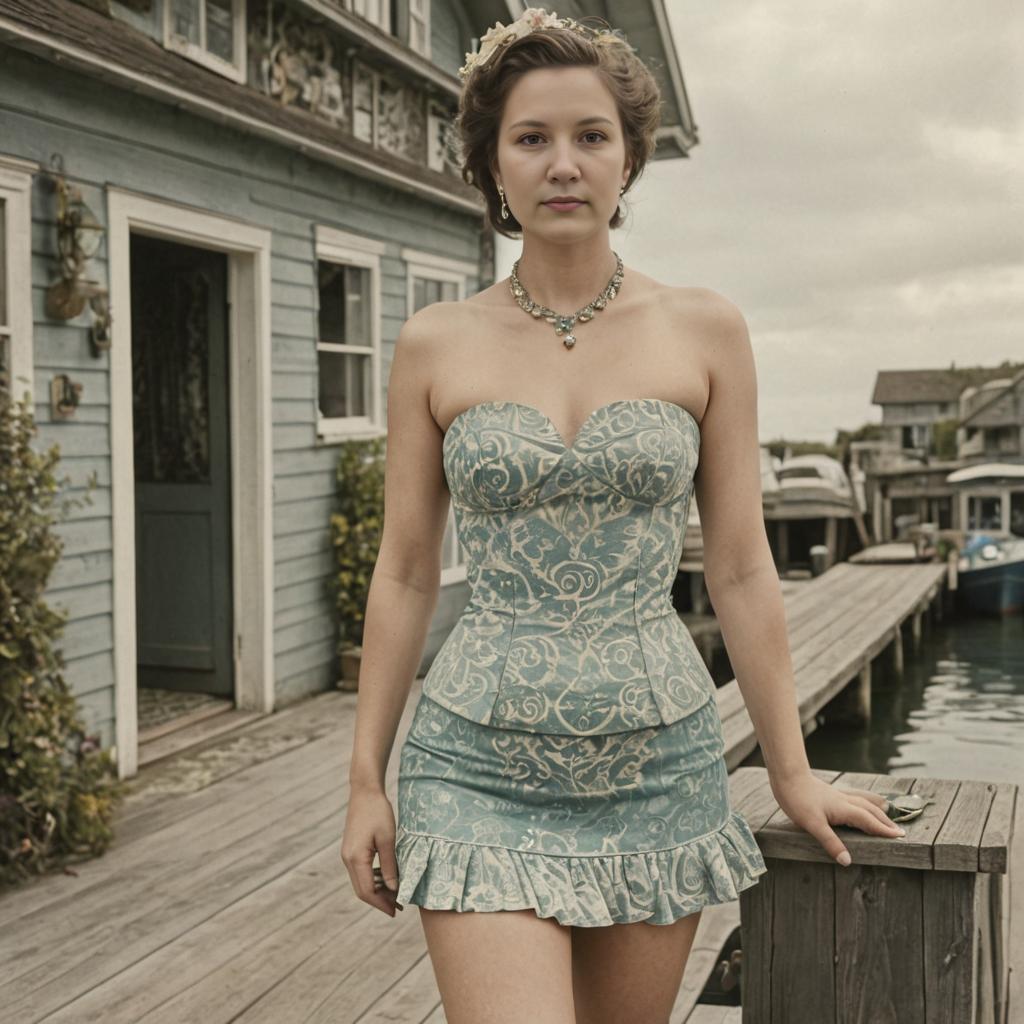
(991,564)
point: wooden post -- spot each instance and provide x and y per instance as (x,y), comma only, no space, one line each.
(698,598)
(830,539)
(897,650)
(915,930)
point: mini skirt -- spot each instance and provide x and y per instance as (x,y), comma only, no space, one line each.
(590,830)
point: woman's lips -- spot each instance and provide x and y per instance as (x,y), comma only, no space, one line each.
(565,206)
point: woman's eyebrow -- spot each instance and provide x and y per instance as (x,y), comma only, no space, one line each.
(582,120)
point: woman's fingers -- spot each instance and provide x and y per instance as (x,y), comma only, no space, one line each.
(889,826)
(875,798)
(360,872)
(855,812)
(831,843)
(388,862)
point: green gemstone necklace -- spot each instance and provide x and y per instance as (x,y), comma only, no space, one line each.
(564,323)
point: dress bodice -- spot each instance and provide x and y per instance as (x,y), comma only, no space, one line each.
(571,552)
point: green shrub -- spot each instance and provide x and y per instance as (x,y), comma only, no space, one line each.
(58,788)
(356,531)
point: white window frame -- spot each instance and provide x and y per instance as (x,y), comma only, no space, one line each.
(235,71)
(16,193)
(383,10)
(434,268)
(422,16)
(336,246)
(421,264)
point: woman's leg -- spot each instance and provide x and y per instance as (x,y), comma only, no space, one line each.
(623,973)
(500,966)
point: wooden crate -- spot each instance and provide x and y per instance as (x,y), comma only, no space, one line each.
(914,931)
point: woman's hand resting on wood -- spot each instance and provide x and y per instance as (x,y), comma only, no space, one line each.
(815,806)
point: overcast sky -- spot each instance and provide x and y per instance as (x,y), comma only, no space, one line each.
(856,191)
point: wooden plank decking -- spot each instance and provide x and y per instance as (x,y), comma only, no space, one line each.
(224,897)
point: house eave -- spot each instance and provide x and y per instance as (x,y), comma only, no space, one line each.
(66,54)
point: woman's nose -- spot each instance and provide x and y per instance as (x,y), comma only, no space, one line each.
(563,160)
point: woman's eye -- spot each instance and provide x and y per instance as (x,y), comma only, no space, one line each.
(536,135)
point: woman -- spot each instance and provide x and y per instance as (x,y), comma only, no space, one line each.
(565,760)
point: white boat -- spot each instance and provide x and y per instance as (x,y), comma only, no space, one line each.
(813,487)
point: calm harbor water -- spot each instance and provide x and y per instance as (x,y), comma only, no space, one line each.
(957,712)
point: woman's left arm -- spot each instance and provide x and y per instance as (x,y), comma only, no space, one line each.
(743,585)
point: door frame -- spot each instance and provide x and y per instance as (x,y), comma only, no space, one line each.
(249,357)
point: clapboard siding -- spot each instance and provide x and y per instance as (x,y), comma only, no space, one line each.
(112,138)
(450,32)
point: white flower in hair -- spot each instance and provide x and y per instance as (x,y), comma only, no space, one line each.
(499,35)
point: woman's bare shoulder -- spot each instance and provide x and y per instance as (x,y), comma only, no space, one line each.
(709,309)
(440,321)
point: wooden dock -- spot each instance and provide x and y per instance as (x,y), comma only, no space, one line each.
(224,897)
(837,624)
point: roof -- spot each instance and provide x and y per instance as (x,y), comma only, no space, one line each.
(911,386)
(991,411)
(72,35)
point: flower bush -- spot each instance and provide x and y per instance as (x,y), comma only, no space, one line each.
(58,788)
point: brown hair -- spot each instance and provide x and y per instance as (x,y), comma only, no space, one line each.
(482,102)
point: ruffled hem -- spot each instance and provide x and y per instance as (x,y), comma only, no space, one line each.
(587,890)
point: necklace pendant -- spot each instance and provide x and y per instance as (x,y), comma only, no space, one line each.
(569,340)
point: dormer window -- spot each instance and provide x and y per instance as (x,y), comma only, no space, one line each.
(210,32)
(408,20)
(419,26)
(377,12)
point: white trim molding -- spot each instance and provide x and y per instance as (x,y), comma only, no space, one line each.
(435,261)
(248,249)
(16,195)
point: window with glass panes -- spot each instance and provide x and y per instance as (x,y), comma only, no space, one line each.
(427,291)
(419,26)
(376,11)
(211,32)
(345,348)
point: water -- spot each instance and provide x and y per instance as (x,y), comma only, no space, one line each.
(957,712)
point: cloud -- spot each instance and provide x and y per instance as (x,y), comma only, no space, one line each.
(856,192)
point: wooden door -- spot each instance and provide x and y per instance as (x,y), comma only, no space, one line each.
(180,386)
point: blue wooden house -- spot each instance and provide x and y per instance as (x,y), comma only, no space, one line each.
(215,215)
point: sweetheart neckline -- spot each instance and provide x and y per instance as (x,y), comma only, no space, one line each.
(569,446)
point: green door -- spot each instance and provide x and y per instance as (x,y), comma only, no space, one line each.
(180,386)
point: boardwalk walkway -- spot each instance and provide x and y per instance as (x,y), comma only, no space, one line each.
(224,897)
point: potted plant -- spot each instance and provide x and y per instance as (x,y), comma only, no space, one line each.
(356,528)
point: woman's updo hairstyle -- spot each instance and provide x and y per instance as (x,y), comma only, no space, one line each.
(474,135)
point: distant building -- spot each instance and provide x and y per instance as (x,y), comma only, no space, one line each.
(991,425)
(934,422)
(916,402)
(266,196)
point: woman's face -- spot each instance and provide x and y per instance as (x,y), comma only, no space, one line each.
(560,134)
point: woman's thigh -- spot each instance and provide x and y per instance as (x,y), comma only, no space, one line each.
(623,973)
(500,967)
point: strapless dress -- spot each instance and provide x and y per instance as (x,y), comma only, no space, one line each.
(566,754)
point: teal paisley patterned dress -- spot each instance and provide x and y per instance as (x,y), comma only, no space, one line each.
(566,753)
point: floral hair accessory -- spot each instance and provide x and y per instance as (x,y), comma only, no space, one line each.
(532,19)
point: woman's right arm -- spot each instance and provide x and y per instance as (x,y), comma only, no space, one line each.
(401,599)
